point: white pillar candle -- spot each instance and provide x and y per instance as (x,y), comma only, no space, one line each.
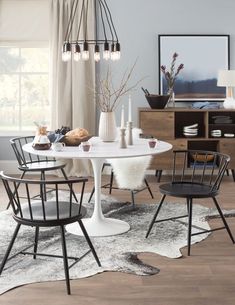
(129,112)
(122,118)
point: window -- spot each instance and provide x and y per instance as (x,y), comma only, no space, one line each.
(24,92)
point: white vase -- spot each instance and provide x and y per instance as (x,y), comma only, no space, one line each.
(107,126)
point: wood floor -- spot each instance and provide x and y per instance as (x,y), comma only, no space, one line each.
(205,278)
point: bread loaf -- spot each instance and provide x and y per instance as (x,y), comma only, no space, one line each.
(77,133)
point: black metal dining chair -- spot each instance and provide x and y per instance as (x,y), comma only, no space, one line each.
(56,212)
(30,163)
(196,174)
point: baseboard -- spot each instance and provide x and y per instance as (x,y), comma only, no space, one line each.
(9,166)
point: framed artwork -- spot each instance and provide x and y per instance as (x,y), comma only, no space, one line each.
(203,56)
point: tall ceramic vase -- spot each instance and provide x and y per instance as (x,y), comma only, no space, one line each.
(107,126)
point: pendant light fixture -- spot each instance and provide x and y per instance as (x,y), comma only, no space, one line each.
(82,47)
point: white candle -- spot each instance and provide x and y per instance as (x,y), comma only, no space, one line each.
(122,118)
(129,112)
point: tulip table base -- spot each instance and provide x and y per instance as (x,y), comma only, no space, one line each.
(103,227)
(98,225)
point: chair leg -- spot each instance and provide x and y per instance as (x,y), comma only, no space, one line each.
(66,178)
(149,189)
(10,247)
(233,174)
(223,219)
(91,195)
(111,182)
(155,216)
(133,198)
(35,248)
(43,177)
(65,258)
(227,172)
(190,210)
(158,174)
(89,242)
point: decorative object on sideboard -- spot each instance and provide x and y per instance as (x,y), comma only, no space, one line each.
(81,38)
(216,133)
(191,130)
(157,101)
(226,78)
(170,77)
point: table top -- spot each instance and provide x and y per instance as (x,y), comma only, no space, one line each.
(100,149)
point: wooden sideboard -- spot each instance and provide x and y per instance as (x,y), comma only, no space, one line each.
(168,124)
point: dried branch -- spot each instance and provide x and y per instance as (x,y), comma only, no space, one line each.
(107,96)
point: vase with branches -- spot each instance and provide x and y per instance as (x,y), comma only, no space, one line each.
(171,75)
(108,97)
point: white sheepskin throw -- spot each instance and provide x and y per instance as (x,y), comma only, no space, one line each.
(130,172)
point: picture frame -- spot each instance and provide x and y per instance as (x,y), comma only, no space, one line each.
(203,56)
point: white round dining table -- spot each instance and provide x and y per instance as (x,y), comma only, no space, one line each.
(98,224)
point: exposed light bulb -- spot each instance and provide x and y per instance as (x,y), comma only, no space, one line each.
(66,51)
(77,56)
(66,56)
(117,55)
(85,55)
(106,52)
(118,51)
(97,53)
(85,52)
(113,57)
(97,56)
(77,52)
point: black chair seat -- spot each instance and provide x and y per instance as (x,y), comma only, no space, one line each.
(66,213)
(42,165)
(186,190)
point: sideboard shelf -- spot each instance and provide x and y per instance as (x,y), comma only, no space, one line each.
(168,124)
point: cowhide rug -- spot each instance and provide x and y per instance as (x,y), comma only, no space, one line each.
(116,253)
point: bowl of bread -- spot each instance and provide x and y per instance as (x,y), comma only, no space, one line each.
(76,136)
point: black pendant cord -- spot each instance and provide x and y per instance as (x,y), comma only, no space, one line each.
(71,19)
(111,19)
(102,20)
(96,24)
(80,19)
(107,18)
(85,30)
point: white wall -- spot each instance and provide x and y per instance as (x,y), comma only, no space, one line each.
(138,22)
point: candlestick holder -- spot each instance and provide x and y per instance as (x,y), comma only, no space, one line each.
(130,137)
(122,143)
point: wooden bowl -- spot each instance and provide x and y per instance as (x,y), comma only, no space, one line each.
(157,101)
(203,158)
(74,141)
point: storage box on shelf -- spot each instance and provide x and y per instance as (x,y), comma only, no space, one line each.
(169,125)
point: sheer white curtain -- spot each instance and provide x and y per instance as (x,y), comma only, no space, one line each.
(72,98)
